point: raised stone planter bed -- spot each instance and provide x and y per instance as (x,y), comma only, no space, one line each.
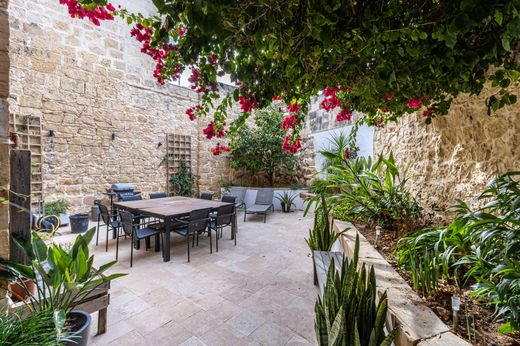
(417,324)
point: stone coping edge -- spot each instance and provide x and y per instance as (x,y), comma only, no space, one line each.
(416,323)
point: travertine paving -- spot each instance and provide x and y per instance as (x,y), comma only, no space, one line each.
(260,292)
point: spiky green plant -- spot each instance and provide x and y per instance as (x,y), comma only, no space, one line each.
(322,235)
(350,313)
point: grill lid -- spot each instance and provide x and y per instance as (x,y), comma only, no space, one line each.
(122,187)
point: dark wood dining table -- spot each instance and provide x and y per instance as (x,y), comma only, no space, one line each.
(167,209)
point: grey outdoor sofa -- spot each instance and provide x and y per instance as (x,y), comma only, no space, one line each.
(263,202)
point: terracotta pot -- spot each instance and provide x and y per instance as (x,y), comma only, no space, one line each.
(18,292)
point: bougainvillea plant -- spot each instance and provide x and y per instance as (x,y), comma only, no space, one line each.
(381,58)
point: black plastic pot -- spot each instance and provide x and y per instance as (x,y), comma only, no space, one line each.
(285,208)
(80,322)
(78,223)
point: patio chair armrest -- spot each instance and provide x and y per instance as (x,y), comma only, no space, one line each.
(186,222)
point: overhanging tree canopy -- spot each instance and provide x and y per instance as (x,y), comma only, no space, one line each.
(383,58)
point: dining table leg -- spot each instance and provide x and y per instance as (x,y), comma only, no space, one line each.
(166,242)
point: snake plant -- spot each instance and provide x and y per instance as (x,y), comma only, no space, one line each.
(349,312)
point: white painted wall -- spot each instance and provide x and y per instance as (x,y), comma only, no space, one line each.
(322,140)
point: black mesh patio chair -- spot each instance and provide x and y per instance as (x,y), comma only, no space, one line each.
(263,202)
(111,222)
(135,233)
(225,217)
(239,193)
(129,198)
(206,195)
(196,224)
(158,195)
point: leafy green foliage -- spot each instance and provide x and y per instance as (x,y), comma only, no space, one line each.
(182,181)
(258,149)
(63,277)
(322,236)
(350,311)
(428,50)
(56,208)
(374,192)
(480,246)
(35,329)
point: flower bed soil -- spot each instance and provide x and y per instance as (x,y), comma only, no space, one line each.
(479,318)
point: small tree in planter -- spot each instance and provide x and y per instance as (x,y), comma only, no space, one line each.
(63,278)
(259,149)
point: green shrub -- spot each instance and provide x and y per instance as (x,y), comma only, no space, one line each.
(56,208)
(350,312)
(258,149)
(182,181)
(481,245)
(375,193)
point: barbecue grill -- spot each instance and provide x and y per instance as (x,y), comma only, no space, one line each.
(122,190)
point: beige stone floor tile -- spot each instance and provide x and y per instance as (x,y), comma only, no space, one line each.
(272,334)
(259,292)
(245,322)
(193,341)
(223,335)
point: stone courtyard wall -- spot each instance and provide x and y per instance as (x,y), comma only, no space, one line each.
(87,83)
(4,129)
(455,156)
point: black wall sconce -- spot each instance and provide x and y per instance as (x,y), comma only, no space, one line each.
(159,144)
(52,134)
(113,136)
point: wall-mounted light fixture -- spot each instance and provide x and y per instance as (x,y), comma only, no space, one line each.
(159,144)
(52,134)
(113,136)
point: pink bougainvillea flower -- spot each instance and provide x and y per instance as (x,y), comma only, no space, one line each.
(349,89)
(220,149)
(277,98)
(190,112)
(414,103)
(389,96)
(428,112)
(111,8)
(344,115)
(247,104)
(289,122)
(347,153)
(291,148)
(293,107)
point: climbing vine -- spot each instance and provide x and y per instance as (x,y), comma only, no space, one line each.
(381,58)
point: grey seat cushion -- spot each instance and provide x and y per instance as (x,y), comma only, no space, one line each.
(258,208)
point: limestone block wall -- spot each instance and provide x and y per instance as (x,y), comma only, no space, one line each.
(4,128)
(87,84)
(455,156)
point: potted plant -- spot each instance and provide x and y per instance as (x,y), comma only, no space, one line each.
(286,200)
(59,209)
(322,235)
(34,329)
(63,278)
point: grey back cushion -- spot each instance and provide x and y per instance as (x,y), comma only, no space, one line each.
(264,196)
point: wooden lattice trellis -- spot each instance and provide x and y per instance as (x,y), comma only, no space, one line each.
(178,148)
(28,131)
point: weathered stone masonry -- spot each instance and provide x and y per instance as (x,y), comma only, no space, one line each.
(455,156)
(87,83)
(4,127)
